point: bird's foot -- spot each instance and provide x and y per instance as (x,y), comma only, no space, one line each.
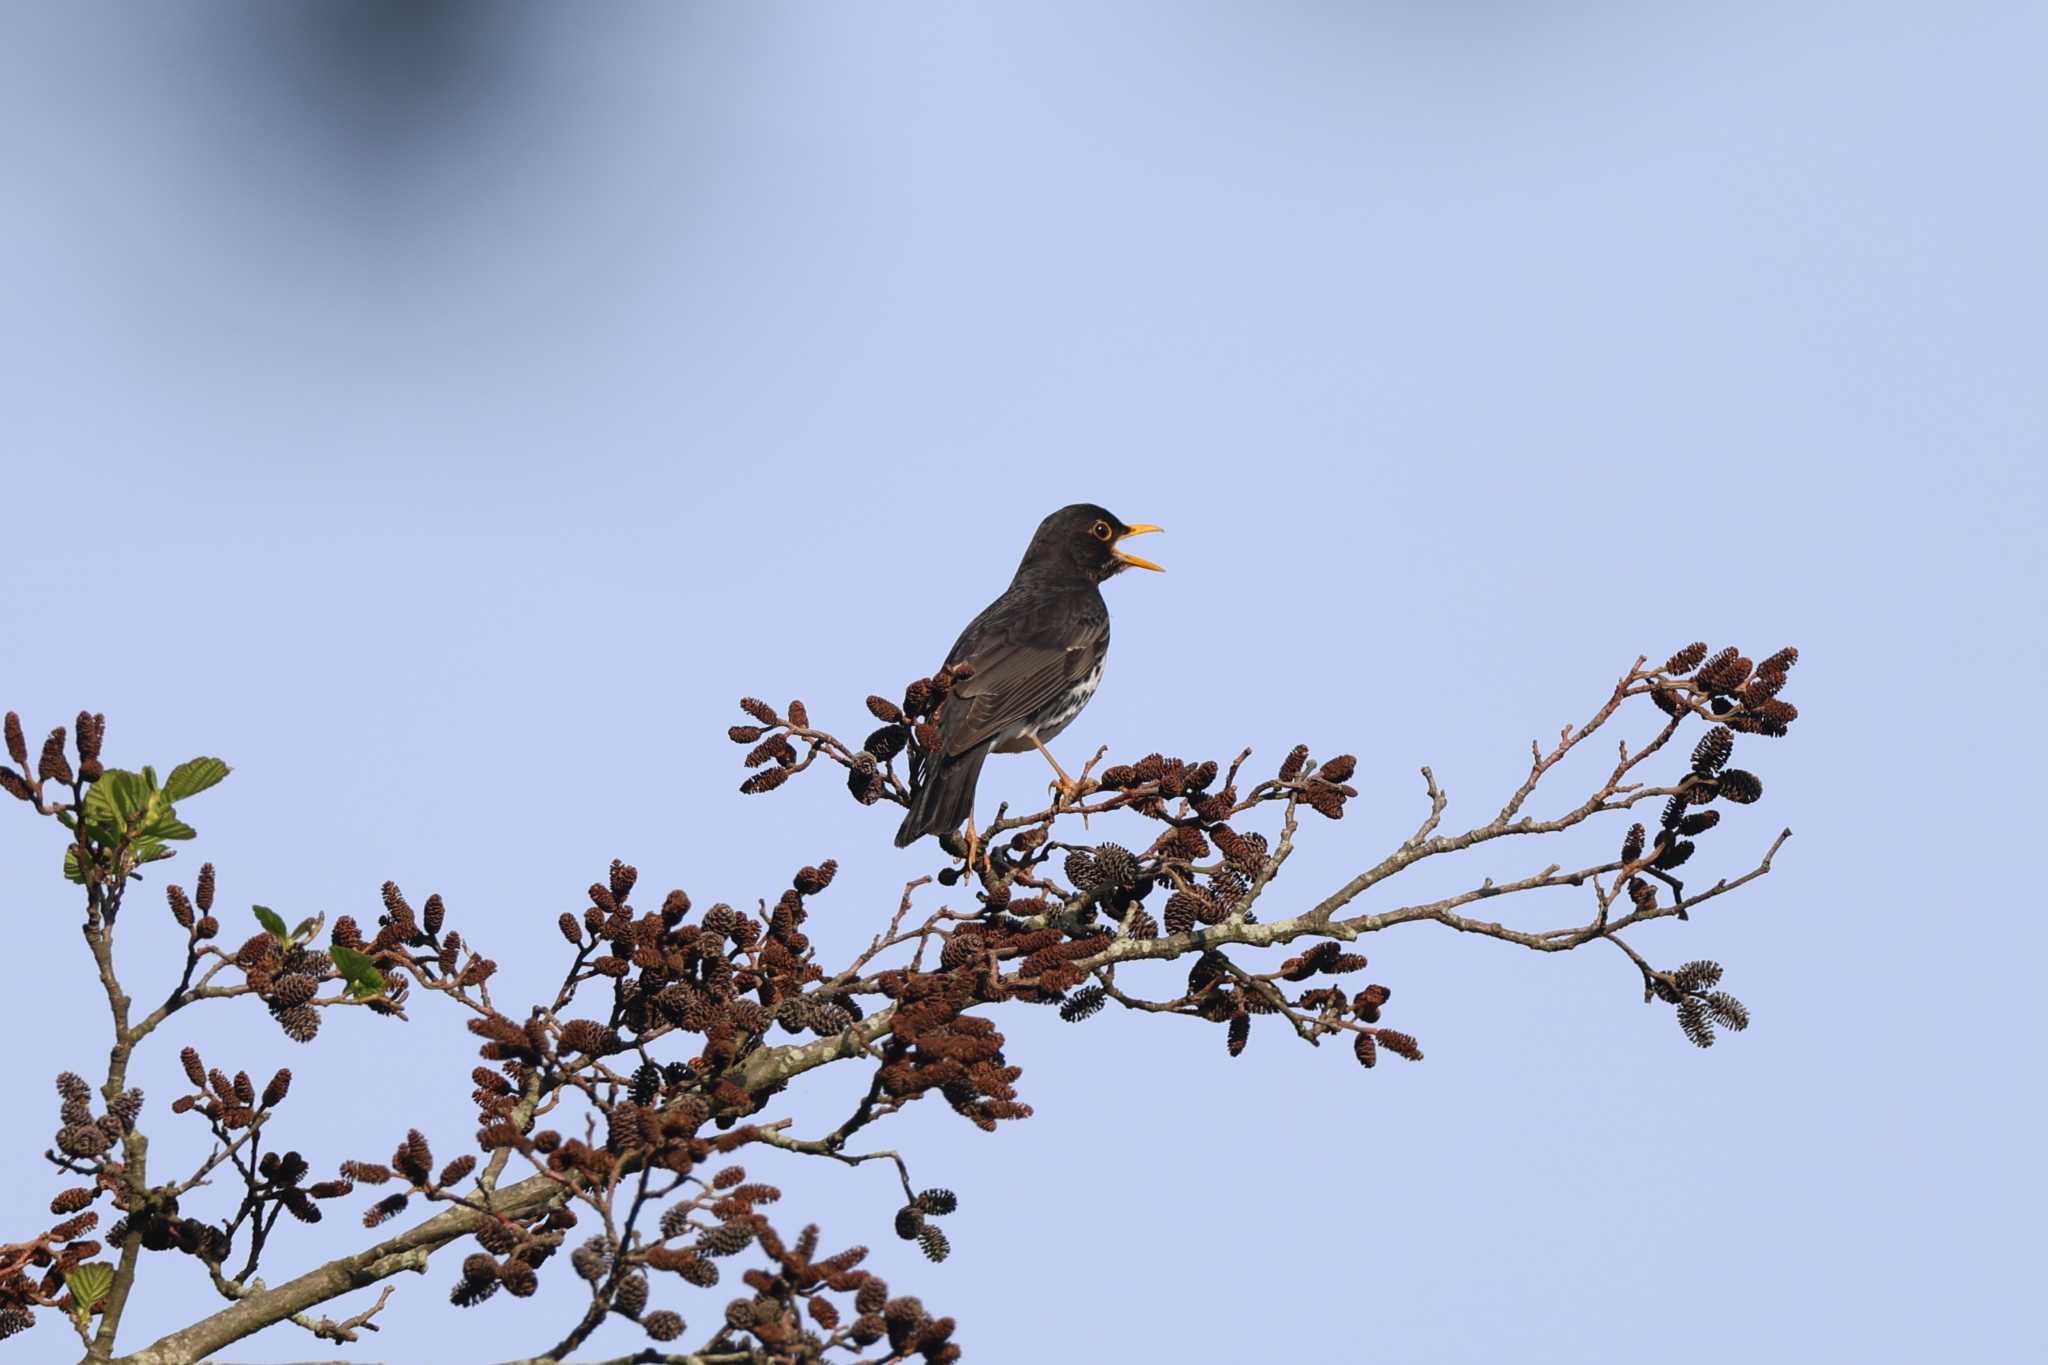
(977,854)
(1068,792)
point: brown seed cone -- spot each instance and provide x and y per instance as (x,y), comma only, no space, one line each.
(1083,1004)
(776,747)
(931,1240)
(1675,855)
(1741,786)
(280,1086)
(299,1023)
(766,780)
(1184,844)
(1765,685)
(72,1229)
(72,1200)
(91,731)
(1674,809)
(1725,672)
(1694,1020)
(864,779)
(1400,1044)
(887,742)
(1325,799)
(1687,659)
(1082,871)
(54,766)
(1116,864)
(82,1140)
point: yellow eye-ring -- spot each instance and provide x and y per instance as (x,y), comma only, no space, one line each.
(1102,531)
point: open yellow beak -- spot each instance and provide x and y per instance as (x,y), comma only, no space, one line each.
(1131,559)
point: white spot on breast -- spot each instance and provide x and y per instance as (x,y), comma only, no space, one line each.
(1070,707)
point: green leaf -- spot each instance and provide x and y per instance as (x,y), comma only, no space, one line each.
(274,922)
(361,974)
(71,872)
(113,803)
(166,826)
(89,1284)
(193,777)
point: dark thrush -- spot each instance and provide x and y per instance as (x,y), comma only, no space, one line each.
(1036,654)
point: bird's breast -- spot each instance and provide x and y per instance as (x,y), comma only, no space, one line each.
(1061,712)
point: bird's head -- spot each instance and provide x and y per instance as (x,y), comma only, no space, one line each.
(1084,539)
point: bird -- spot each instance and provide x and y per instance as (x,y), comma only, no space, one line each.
(1035,657)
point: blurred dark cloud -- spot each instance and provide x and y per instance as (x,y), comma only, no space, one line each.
(388,65)
(373,94)
(349,87)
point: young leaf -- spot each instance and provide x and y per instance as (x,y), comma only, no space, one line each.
(193,776)
(361,974)
(114,802)
(274,922)
(166,826)
(89,1284)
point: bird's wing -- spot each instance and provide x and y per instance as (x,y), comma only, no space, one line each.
(1014,680)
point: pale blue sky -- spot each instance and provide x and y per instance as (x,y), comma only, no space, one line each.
(444,412)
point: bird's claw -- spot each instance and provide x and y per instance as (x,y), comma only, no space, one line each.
(1068,792)
(977,852)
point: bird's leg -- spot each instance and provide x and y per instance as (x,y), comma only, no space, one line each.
(1070,791)
(974,848)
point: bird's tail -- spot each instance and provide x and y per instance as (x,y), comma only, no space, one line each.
(944,798)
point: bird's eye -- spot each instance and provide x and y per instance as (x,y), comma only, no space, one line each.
(1102,530)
